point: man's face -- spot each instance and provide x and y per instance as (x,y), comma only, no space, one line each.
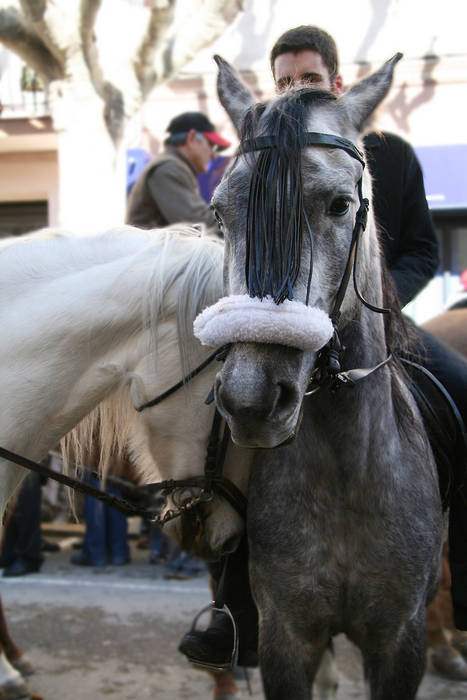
(201,151)
(304,68)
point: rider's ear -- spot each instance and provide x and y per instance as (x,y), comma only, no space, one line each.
(363,98)
(190,137)
(337,84)
(233,94)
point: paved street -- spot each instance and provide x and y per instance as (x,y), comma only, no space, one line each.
(100,633)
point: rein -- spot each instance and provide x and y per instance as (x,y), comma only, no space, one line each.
(212,482)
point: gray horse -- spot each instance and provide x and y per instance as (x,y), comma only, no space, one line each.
(345,521)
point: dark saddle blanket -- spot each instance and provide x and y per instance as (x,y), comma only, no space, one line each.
(444,426)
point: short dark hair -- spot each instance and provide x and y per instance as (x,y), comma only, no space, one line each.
(308,38)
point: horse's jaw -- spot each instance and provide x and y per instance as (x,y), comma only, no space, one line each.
(209,532)
(260,393)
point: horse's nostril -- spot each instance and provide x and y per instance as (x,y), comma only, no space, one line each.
(230,545)
(225,405)
(285,397)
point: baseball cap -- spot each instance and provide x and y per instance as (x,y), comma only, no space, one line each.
(198,121)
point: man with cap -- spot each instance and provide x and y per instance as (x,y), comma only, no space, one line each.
(167,190)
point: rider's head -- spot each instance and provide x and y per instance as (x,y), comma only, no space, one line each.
(196,138)
(306,55)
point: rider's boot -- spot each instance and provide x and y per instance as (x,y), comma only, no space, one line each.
(214,645)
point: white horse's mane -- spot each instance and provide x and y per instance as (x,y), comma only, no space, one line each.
(176,272)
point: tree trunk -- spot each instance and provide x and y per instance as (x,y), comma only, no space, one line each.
(92,170)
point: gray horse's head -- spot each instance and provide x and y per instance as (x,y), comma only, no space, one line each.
(288,206)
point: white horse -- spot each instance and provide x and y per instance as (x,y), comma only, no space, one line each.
(105,321)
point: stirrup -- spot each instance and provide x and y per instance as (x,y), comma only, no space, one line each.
(205,664)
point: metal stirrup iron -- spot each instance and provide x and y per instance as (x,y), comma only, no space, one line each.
(218,606)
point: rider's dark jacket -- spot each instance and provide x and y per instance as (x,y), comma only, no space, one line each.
(411,251)
(404,223)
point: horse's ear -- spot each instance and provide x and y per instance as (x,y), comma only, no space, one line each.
(363,98)
(233,94)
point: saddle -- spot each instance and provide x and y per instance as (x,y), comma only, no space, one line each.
(445,428)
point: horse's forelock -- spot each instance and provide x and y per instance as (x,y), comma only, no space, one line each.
(274,228)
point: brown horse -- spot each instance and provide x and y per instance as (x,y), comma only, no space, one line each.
(450,327)
(449,646)
(14,663)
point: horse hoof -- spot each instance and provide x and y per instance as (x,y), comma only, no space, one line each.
(450,663)
(24,665)
(15,690)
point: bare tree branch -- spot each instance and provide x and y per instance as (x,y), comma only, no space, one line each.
(23,41)
(207,21)
(163,53)
(160,21)
(35,9)
(89,11)
(51,21)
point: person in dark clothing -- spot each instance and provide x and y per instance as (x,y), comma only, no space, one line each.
(22,544)
(400,205)
(308,56)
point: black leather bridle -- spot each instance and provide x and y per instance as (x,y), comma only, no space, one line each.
(327,372)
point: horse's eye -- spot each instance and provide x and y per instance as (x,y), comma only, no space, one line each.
(339,206)
(218,219)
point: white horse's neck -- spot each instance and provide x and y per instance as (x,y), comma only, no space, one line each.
(65,335)
(72,317)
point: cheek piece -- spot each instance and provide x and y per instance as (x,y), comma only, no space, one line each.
(241,318)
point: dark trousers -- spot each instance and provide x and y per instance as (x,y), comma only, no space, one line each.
(22,539)
(236,593)
(450,368)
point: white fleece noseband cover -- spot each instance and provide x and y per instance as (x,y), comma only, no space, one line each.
(240,318)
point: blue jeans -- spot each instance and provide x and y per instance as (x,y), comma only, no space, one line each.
(106,535)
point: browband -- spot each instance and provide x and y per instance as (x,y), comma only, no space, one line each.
(310,138)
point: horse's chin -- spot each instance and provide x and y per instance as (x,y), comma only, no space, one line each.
(263,436)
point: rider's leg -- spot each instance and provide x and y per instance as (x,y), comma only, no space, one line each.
(215,644)
(450,368)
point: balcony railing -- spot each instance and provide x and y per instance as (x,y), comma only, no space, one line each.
(28,104)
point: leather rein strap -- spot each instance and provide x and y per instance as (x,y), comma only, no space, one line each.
(212,481)
(191,375)
(119,503)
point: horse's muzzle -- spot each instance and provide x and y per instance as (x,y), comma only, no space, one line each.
(260,414)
